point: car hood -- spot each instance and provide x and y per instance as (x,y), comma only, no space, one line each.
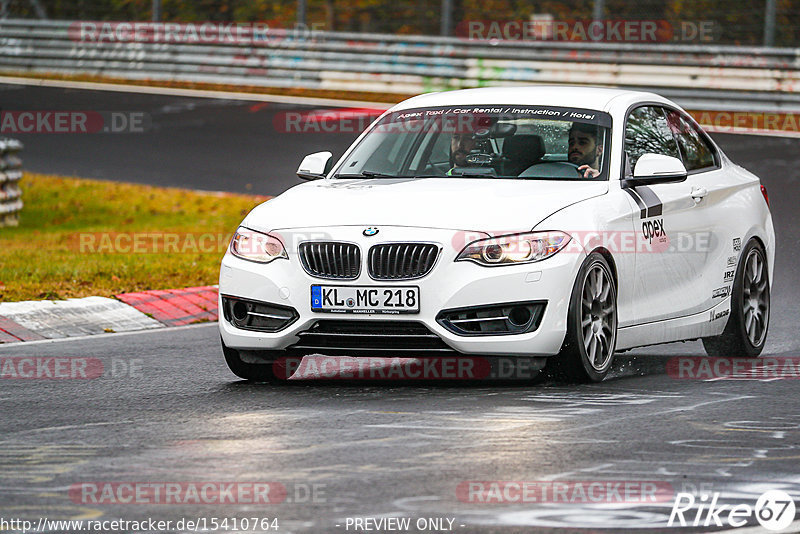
(447,203)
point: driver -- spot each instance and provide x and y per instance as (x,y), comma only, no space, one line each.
(584,149)
(461,144)
(468,138)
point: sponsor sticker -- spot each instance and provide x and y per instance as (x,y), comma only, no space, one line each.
(721,292)
(718,315)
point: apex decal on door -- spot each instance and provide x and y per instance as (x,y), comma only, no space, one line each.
(654,230)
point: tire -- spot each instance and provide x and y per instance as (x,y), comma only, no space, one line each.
(746,332)
(255,372)
(588,349)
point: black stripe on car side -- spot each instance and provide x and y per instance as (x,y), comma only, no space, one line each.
(635,196)
(651,199)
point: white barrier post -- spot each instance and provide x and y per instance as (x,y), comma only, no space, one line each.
(10,176)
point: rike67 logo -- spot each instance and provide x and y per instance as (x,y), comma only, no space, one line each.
(774,510)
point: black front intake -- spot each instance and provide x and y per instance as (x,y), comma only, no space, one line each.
(492,320)
(258,316)
(371,337)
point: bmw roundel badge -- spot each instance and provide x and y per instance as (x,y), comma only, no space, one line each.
(371,231)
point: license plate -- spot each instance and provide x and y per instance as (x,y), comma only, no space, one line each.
(365,299)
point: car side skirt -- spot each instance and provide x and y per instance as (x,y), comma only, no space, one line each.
(703,324)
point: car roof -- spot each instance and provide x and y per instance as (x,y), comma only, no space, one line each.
(594,98)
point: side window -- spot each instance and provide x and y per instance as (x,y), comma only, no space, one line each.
(696,151)
(647,132)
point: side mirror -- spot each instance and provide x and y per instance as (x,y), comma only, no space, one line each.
(315,166)
(656,168)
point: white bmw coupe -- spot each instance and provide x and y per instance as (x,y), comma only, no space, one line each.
(558,224)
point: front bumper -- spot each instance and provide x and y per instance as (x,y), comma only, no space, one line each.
(449,285)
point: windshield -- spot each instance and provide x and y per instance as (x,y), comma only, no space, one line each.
(511,142)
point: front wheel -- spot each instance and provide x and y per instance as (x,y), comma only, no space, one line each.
(746,332)
(588,349)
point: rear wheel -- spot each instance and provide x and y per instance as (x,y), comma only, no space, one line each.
(746,332)
(261,369)
(588,349)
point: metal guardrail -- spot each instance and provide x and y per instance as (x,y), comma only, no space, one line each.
(710,77)
(10,176)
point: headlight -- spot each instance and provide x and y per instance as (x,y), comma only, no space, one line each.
(256,246)
(514,249)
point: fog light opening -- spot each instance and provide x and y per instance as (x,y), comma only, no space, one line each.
(519,316)
(240,311)
(493,320)
(257,316)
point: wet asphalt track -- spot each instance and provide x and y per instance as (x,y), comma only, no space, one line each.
(198,143)
(377,449)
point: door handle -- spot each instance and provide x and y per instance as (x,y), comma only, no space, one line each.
(699,193)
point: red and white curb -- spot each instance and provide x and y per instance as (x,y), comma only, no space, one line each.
(175,307)
(128,312)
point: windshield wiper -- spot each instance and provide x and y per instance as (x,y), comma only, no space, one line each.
(472,175)
(366,174)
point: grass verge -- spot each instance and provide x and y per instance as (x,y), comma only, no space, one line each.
(80,237)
